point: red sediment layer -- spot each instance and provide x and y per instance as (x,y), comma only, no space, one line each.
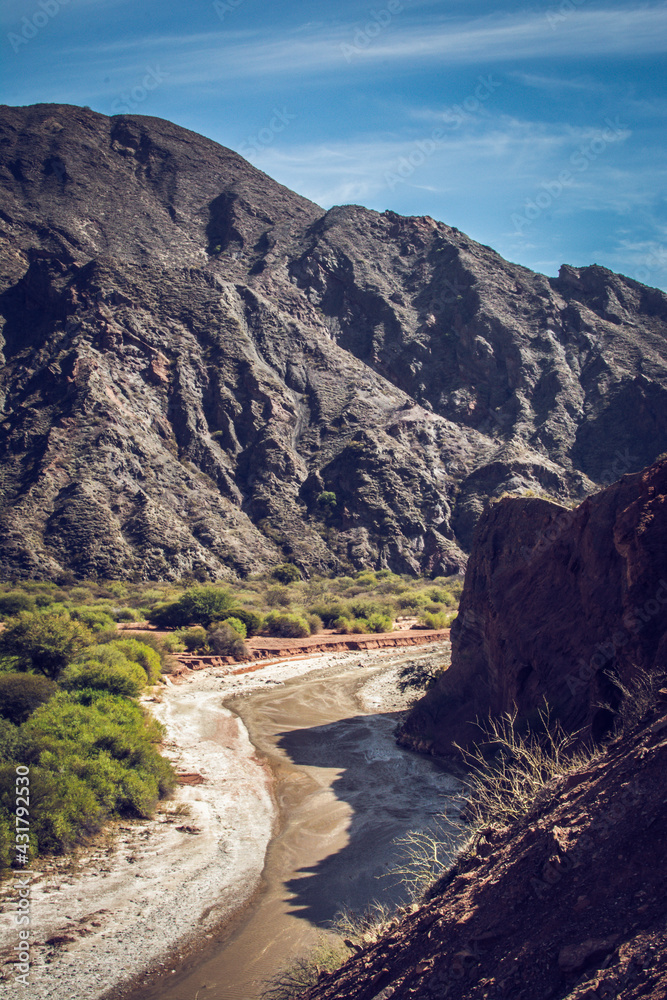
(264,649)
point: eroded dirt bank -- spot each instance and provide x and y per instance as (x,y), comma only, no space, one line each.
(155,890)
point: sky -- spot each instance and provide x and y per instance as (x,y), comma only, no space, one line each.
(536,128)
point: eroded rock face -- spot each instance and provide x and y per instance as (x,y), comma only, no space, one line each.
(557,603)
(193,354)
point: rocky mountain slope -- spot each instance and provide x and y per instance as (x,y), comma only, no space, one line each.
(194,355)
(565,904)
(564,605)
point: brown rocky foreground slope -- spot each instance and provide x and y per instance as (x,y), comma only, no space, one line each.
(567,605)
(568,904)
(194,357)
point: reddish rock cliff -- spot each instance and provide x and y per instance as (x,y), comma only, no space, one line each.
(557,603)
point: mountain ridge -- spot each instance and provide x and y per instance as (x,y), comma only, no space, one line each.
(193,355)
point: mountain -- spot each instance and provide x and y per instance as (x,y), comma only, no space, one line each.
(195,358)
(567,606)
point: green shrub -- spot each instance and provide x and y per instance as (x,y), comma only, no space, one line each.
(441,620)
(379,623)
(13,603)
(329,614)
(237,625)
(142,653)
(193,638)
(154,642)
(315,624)
(439,595)
(126,679)
(278,596)
(126,615)
(21,694)
(363,608)
(359,626)
(411,600)
(10,741)
(252,621)
(223,640)
(43,642)
(94,618)
(286,625)
(120,652)
(173,644)
(81,594)
(286,573)
(326,499)
(92,755)
(197,606)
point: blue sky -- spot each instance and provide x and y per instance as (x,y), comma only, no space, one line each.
(536,128)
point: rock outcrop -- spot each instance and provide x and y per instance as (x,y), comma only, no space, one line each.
(195,358)
(563,605)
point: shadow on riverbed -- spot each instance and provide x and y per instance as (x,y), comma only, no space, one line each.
(389,791)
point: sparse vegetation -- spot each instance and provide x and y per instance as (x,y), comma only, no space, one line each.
(304,972)
(637,698)
(427,855)
(511,769)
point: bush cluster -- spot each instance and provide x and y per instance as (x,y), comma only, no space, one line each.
(68,711)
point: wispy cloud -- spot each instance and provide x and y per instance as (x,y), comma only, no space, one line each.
(524,152)
(553,83)
(315,49)
(12,12)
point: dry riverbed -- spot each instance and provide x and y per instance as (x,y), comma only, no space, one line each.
(149,892)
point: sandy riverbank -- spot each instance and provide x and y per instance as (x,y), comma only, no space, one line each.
(138,898)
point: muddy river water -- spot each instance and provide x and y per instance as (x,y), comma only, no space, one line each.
(345,793)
